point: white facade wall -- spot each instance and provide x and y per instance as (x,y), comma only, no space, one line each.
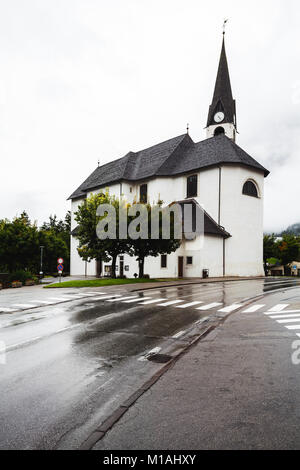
(242,217)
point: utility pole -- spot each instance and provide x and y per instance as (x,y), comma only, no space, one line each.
(41,269)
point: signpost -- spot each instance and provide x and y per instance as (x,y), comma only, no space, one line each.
(60,268)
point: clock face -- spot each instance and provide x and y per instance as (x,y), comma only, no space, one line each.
(219,117)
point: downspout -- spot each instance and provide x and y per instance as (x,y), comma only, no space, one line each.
(219,220)
(220,184)
(224,257)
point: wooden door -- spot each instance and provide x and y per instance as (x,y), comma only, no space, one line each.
(180,266)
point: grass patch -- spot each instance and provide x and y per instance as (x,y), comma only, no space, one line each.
(103,282)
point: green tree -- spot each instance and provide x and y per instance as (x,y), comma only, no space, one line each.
(90,245)
(270,248)
(287,250)
(154,247)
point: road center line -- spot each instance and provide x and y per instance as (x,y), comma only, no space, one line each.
(178,335)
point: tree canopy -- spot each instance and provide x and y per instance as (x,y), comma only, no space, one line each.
(21,239)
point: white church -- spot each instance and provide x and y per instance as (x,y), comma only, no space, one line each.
(214,173)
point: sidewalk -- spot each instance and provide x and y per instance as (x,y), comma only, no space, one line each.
(236,389)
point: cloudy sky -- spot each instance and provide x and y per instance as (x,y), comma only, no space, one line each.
(83,80)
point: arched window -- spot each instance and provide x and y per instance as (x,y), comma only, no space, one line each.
(250,189)
(219,130)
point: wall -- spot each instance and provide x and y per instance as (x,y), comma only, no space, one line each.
(242,216)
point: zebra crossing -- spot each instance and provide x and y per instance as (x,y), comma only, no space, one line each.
(289,318)
(15,307)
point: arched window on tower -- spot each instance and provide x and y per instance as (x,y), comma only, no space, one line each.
(219,131)
(250,189)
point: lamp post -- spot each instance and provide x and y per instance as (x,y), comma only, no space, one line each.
(41,270)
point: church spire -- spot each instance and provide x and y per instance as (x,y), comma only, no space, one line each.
(222,111)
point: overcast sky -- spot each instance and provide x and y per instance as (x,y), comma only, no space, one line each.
(83,80)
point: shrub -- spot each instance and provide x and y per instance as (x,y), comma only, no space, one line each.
(21,276)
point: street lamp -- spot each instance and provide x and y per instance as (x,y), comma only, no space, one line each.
(41,271)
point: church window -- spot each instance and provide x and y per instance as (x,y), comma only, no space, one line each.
(219,131)
(163,261)
(144,193)
(192,186)
(250,189)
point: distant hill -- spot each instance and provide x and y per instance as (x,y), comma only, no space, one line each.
(293,229)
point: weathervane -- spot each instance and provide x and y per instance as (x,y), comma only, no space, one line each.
(187,128)
(224,26)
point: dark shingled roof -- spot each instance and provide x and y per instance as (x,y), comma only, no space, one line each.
(222,99)
(174,157)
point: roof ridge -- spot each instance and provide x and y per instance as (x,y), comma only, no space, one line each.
(160,143)
(176,148)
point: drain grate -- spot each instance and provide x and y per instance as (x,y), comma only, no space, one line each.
(160,358)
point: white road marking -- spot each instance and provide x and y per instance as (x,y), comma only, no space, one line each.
(6,310)
(290,320)
(191,304)
(40,302)
(278,308)
(209,306)
(283,311)
(172,302)
(253,309)
(294,327)
(149,302)
(121,299)
(231,308)
(22,305)
(293,315)
(14,346)
(178,335)
(136,300)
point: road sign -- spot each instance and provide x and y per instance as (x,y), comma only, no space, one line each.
(60,267)
(60,261)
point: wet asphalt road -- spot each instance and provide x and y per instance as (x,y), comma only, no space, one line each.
(69,365)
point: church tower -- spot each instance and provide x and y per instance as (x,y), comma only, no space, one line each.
(222,111)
